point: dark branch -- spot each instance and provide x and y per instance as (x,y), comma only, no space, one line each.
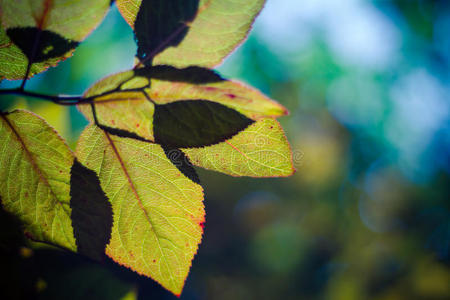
(66,100)
(61,100)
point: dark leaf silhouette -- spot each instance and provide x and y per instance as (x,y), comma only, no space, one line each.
(160,24)
(193,74)
(182,162)
(122,133)
(196,123)
(39,45)
(217,28)
(92,215)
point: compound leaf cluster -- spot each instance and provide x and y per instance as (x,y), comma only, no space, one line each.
(130,190)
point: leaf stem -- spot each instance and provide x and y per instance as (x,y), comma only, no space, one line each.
(58,99)
(63,99)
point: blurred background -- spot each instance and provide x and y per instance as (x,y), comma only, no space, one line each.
(367,214)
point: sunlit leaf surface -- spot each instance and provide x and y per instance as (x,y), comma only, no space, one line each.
(44,32)
(161,24)
(217,29)
(158,212)
(133,112)
(35,168)
(261,150)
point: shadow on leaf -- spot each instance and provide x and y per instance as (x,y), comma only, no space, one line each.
(92,215)
(182,162)
(39,45)
(160,24)
(196,123)
(192,74)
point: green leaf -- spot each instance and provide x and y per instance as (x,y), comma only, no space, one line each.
(161,24)
(50,44)
(246,100)
(182,162)
(192,74)
(118,107)
(218,28)
(35,168)
(158,212)
(44,32)
(195,123)
(261,150)
(129,111)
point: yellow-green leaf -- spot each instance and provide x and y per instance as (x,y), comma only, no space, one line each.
(218,28)
(158,212)
(161,24)
(129,111)
(261,150)
(44,31)
(133,112)
(246,100)
(35,166)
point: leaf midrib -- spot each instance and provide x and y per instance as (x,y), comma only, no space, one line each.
(32,161)
(141,206)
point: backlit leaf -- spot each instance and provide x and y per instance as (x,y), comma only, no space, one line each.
(217,29)
(261,150)
(192,74)
(158,212)
(44,32)
(161,24)
(246,100)
(131,110)
(35,168)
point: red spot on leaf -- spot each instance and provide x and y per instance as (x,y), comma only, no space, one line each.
(154,260)
(231,96)
(202,225)
(137,125)
(209,88)
(113,122)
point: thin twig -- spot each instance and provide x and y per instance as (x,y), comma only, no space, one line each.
(61,100)
(66,100)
